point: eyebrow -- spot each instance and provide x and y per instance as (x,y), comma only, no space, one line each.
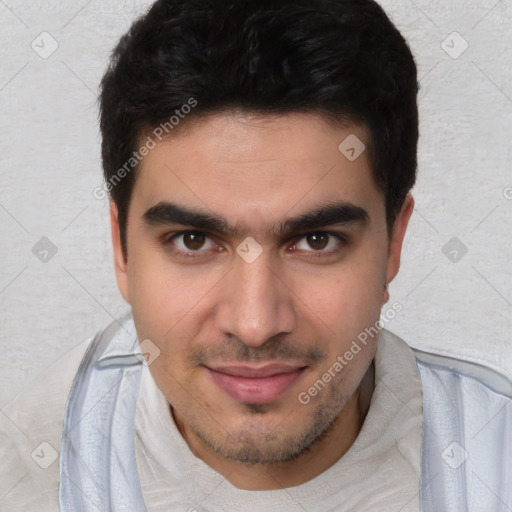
(331,214)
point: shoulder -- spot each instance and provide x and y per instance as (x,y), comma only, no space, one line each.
(31,427)
(446,370)
(466,373)
(466,432)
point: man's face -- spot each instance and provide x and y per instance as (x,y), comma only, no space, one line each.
(245,325)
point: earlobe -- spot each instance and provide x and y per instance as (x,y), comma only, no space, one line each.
(385,295)
(397,238)
(120,263)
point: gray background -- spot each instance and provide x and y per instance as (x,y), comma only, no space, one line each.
(453,303)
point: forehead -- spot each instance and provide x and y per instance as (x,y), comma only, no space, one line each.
(234,163)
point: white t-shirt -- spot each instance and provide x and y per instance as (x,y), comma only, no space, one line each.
(380,472)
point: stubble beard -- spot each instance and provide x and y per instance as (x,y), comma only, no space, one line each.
(254,445)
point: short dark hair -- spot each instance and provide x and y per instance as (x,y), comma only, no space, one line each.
(342,59)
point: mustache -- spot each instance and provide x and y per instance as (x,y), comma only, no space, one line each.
(277,348)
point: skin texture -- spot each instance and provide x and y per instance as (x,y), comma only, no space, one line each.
(298,302)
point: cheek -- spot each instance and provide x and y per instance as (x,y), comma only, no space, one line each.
(348,298)
(158,297)
(169,303)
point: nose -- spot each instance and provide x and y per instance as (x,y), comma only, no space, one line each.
(256,304)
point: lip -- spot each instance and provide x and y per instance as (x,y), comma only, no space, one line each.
(256,384)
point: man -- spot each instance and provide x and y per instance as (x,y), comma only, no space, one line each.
(259,158)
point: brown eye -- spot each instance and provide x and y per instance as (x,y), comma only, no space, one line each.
(321,242)
(318,241)
(191,242)
(194,241)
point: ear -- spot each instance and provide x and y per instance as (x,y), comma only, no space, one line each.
(397,238)
(120,263)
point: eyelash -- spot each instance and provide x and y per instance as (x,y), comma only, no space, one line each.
(167,242)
